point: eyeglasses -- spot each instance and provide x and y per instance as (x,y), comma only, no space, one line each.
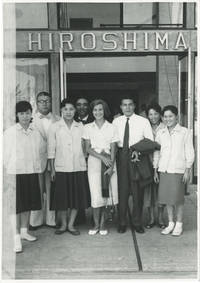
(43,101)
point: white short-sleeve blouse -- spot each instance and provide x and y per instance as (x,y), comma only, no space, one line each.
(100,138)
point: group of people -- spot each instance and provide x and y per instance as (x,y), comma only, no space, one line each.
(64,165)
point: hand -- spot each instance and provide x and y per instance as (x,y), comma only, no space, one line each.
(135,156)
(107,161)
(109,171)
(186,176)
(156,177)
(53,175)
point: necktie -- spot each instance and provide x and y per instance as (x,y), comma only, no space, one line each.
(126,136)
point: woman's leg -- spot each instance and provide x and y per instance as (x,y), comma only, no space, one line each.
(25,217)
(63,219)
(170,227)
(72,217)
(170,213)
(102,218)
(179,221)
(160,214)
(18,223)
(179,213)
(96,217)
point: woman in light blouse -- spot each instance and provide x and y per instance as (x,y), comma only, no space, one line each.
(100,138)
(173,162)
(68,168)
(151,193)
(23,148)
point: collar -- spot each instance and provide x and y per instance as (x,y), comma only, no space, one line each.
(130,117)
(20,128)
(103,126)
(177,128)
(84,119)
(41,116)
(63,124)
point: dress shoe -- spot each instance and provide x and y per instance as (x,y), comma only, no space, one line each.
(121,229)
(139,229)
(150,225)
(74,232)
(34,228)
(59,231)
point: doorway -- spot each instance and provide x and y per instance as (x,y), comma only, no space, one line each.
(112,87)
(112,78)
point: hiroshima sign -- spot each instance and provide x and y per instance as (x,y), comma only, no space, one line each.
(106,41)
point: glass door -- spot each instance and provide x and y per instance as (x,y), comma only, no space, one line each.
(186,88)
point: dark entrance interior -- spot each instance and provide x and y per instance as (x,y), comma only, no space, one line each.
(112,87)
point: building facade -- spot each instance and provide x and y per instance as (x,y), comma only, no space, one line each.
(107,50)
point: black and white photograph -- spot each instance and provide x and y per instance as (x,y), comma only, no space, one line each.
(100,140)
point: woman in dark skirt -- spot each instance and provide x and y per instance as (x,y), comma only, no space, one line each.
(173,162)
(23,145)
(68,168)
(151,192)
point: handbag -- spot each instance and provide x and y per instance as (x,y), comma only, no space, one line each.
(105,178)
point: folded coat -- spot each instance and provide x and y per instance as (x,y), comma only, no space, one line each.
(142,170)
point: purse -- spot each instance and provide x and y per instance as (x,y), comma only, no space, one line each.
(105,178)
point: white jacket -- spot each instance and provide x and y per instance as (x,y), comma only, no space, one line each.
(177,151)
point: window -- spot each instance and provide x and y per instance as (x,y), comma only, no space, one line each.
(31,15)
(171,14)
(32,76)
(139,14)
(75,16)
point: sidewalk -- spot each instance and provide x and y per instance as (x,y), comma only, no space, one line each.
(112,256)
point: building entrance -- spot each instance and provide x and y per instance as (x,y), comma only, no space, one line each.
(111,78)
(112,87)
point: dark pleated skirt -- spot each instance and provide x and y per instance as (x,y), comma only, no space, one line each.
(28,195)
(71,191)
(171,189)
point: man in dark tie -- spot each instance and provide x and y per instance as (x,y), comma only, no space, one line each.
(84,116)
(131,129)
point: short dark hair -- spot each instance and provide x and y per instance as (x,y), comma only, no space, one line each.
(22,106)
(128,96)
(66,101)
(82,97)
(171,108)
(155,106)
(45,93)
(106,109)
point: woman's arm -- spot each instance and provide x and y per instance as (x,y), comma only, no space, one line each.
(52,168)
(107,161)
(189,154)
(113,151)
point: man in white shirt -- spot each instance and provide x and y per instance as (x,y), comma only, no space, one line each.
(131,128)
(42,120)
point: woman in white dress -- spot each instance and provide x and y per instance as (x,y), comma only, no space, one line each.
(100,138)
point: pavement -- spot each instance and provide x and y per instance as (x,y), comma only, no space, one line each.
(115,256)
